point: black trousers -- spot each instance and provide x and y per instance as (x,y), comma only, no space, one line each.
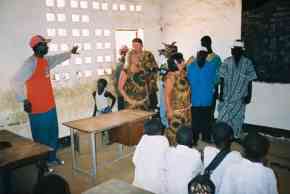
(201,122)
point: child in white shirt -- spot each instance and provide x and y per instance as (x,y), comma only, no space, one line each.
(182,163)
(149,157)
(101,97)
(250,176)
(222,135)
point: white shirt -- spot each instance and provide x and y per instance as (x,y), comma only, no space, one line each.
(249,178)
(231,158)
(181,165)
(149,158)
(101,100)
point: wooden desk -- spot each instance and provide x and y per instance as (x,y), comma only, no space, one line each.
(114,186)
(23,152)
(110,121)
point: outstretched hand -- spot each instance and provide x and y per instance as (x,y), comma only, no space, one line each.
(74,50)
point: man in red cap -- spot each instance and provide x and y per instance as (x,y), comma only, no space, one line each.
(33,87)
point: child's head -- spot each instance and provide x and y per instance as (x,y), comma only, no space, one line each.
(101,84)
(223,134)
(51,183)
(184,136)
(153,127)
(255,147)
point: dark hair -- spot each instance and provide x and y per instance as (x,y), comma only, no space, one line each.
(102,81)
(138,40)
(223,134)
(255,146)
(153,127)
(51,183)
(206,39)
(184,136)
(177,57)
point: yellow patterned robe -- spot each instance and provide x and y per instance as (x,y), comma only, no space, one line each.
(181,106)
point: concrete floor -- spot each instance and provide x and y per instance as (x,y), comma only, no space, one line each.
(278,159)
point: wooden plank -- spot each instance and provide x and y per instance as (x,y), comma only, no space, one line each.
(114,186)
(108,121)
(21,151)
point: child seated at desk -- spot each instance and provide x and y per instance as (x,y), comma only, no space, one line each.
(149,157)
(101,96)
(101,104)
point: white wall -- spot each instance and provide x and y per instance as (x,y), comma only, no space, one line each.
(18,21)
(270,106)
(187,21)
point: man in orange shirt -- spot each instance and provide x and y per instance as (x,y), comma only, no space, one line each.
(33,87)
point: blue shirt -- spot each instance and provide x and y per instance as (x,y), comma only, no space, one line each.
(214,58)
(201,82)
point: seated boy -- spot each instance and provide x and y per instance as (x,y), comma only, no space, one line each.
(222,135)
(182,163)
(149,157)
(101,96)
(101,104)
(250,175)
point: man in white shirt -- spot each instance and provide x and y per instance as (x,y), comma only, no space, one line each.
(183,162)
(222,135)
(250,176)
(149,157)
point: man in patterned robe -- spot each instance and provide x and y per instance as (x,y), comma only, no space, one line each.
(237,73)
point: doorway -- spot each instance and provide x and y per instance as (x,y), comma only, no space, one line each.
(125,37)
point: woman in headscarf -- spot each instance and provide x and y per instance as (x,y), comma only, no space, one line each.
(177,96)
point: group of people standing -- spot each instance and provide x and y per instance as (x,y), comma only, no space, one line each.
(188,89)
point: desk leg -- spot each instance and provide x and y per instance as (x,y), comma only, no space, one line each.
(120,150)
(94,157)
(72,144)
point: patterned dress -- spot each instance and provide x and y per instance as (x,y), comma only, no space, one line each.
(139,85)
(146,63)
(236,79)
(181,106)
(135,87)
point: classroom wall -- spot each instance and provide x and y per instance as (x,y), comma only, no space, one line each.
(187,21)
